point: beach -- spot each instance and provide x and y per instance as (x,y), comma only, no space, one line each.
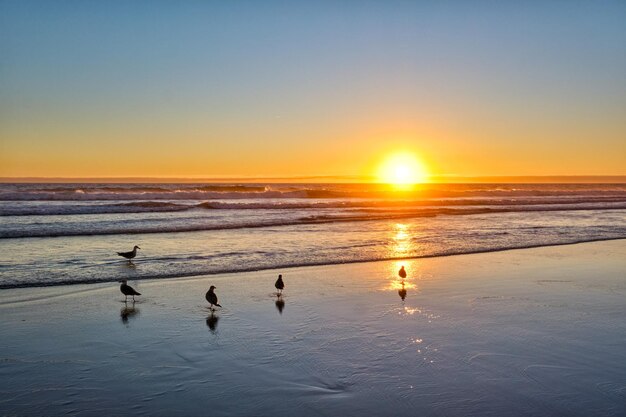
(527,332)
(405,209)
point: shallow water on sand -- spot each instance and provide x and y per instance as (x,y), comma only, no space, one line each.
(532,332)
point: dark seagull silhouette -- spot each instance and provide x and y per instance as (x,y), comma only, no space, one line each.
(129,255)
(127,290)
(402,272)
(280,284)
(212,298)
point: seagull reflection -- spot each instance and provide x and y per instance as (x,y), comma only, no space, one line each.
(127,312)
(211,321)
(402,292)
(280,304)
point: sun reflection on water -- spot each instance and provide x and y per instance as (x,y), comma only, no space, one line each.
(396,285)
(412,310)
(402,276)
(401,241)
(402,272)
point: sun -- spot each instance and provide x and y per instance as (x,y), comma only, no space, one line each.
(402,169)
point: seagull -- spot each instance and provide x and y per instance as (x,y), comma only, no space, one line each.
(129,255)
(212,298)
(127,290)
(280,284)
(402,272)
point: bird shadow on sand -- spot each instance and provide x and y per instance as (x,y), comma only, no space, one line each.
(129,311)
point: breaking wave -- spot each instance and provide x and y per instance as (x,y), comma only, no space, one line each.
(44,208)
(104,192)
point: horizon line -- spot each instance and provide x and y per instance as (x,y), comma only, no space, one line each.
(434,179)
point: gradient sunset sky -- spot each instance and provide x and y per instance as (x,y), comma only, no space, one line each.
(248,88)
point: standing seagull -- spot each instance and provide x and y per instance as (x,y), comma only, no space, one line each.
(280,284)
(127,290)
(129,255)
(212,298)
(402,272)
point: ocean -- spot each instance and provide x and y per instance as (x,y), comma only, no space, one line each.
(53,234)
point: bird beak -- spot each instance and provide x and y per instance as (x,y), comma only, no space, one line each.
(138,247)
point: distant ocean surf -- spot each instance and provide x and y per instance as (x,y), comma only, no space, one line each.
(54,234)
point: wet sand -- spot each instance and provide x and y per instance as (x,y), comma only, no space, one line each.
(519,333)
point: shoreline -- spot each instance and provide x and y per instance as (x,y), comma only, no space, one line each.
(288,267)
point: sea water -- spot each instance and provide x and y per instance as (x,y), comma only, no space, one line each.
(53,234)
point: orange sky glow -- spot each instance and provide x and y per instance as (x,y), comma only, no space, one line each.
(218,91)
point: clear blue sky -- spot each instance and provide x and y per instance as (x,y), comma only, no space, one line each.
(311,88)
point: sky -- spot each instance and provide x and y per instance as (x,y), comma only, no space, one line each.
(318,88)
